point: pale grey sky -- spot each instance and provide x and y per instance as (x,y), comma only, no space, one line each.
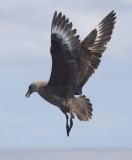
(24,58)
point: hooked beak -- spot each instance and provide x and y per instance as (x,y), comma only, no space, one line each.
(28,94)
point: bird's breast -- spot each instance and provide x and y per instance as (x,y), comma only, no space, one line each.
(52,98)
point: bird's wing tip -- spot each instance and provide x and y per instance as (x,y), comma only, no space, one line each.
(113,12)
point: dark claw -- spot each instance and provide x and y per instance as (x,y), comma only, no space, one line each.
(71,123)
(68,128)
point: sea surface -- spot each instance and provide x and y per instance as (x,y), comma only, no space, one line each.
(66,154)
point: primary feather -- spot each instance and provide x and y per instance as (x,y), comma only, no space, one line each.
(92,47)
(65,54)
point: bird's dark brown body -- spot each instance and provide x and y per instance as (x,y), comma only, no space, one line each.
(48,94)
(73,62)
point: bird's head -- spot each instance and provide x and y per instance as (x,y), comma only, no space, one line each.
(34,87)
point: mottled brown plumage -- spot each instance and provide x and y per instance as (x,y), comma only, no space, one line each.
(73,62)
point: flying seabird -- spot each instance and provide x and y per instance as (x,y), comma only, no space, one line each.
(73,62)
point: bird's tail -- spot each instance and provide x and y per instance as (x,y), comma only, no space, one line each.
(82,107)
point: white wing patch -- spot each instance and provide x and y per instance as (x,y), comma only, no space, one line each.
(99,34)
(104,31)
(61,35)
(63,30)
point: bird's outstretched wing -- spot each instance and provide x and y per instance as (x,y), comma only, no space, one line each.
(65,54)
(92,47)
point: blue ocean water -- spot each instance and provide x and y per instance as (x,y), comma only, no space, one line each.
(66,154)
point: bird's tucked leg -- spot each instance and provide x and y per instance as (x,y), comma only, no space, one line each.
(68,128)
